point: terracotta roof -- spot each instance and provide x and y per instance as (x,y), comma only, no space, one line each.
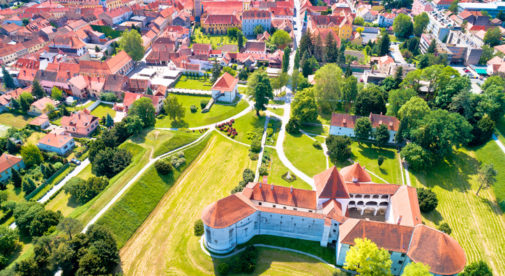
(333,209)
(78,122)
(388,236)
(118,61)
(290,212)
(330,184)
(213,19)
(7,161)
(255,46)
(283,195)
(438,250)
(226,83)
(55,140)
(42,103)
(40,120)
(405,206)
(256,14)
(343,120)
(227,211)
(372,188)
(201,47)
(391,122)
(355,173)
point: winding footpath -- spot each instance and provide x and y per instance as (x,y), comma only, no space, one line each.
(62,183)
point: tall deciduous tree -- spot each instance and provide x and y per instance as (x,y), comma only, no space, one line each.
(328,87)
(487,177)
(363,128)
(370,100)
(397,98)
(7,79)
(416,269)
(367,259)
(479,268)
(349,91)
(280,38)
(173,108)
(381,135)
(31,155)
(493,37)
(131,43)
(144,109)
(403,26)
(421,21)
(303,107)
(37,90)
(70,226)
(285,59)
(383,44)
(339,148)
(260,89)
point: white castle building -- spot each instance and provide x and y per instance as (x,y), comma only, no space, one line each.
(345,205)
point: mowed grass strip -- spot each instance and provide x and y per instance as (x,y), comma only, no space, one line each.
(367,156)
(197,84)
(102,110)
(132,209)
(217,113)
(303,155)
(177,141)
(277,169)
(477,222)
(249,123)
(14,120)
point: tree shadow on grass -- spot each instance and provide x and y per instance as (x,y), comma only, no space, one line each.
(492,205)
(433,216)
(453,173)
(179,124)
(371,152)
(141,137)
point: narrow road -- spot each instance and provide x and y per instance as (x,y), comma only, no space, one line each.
(136,177)
(260,155)
(62,183)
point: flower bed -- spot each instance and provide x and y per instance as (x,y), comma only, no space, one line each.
(227,127)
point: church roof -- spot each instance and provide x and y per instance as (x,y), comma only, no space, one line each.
(330,184)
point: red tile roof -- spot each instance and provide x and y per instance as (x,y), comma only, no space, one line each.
(42,103)
(283,195)
(388,236)
(330,184)
(213,19)
(225,83)
(372,188)
(343,120)
(7,161)
(355,173)
(256,14)
(40,120)
(227,211)
(438,250)
(391,122)
(405,206)
(55,140)
(79,122)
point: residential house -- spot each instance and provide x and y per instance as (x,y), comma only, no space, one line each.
(342,25)
(129,98)
(495,65)
(420,6)
(40,106)
(80,123)
(68,44)
(201,49)
(58,143)
(343,124)
(116,16)
(253,18)
(256,47)
(386,19)
(7,164)
(6,99)
(40,122)
(225,89)
(121,63)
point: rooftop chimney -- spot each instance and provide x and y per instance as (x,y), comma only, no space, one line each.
(291,189)
(272,187)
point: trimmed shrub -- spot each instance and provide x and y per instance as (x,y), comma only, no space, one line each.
(293,126)
(253,156)
(198,228)
(380,160)
(193,108)
(317,145)
(427,200)
(502,205)
(256,145)
(203,103)
(444,227)
(263,170)
(163,167)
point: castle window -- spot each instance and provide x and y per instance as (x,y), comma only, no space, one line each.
(259,203)
(230,234)
(295,209)
(334,231)
(400,262)
(209,236)
(274,205)
(284,207)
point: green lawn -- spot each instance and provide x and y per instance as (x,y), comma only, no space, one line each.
(277,170)
(142,198)
(35,137)
(276,110)
(275,124)
(477,222)
(217,113)
(302,154)
(165,243)
(196,84)
(316,129)
(14,120)
(215,40)
(102,110)
(247,125)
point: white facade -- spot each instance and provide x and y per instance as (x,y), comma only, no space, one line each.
(349,132)
(225,96)
(248,25)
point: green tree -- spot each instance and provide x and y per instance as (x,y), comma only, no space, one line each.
(70,226)
(381,135)
(131,43)
(479,268)
(7,79)
(428,200)
(383,44)
(349,91)
(403,26)
(339,148)
(397,98)
(296,64)
(493,37)
(487,177)
(454,6)
(173,108)
(421,21)
(110,161)
(56,93)
(412,112)
(327,89)
(258,29)
(303,107)
(240,40)
(216,72)
(144,109)
(370,100)
(433,47)
(9,240)
(444,227)
(306,44)
(262,94)
(285,59)
(417,158)
(331,49)
(363,128)
(359,21)
(16,178)
(416,269)
(367,259)
(27,267)
(487,54)
(31,155)
(37,90)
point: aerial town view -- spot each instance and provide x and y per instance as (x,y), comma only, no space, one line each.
(252,137)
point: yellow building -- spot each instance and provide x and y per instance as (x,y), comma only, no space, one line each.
(219,24)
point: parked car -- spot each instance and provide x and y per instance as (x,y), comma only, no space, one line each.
(75,161)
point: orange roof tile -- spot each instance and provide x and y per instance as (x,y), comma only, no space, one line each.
(283,195)
(438,250)
(330,184)
(55,140)
(405,206)
(227,211)
(7,161)
(355,173)
(372,188)
(225,83)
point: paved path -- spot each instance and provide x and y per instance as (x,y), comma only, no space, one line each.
(260,155)
(401,169)
(189,91)
(280,150)
(135,178)
(62,183)
(499,143)
(323,145)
